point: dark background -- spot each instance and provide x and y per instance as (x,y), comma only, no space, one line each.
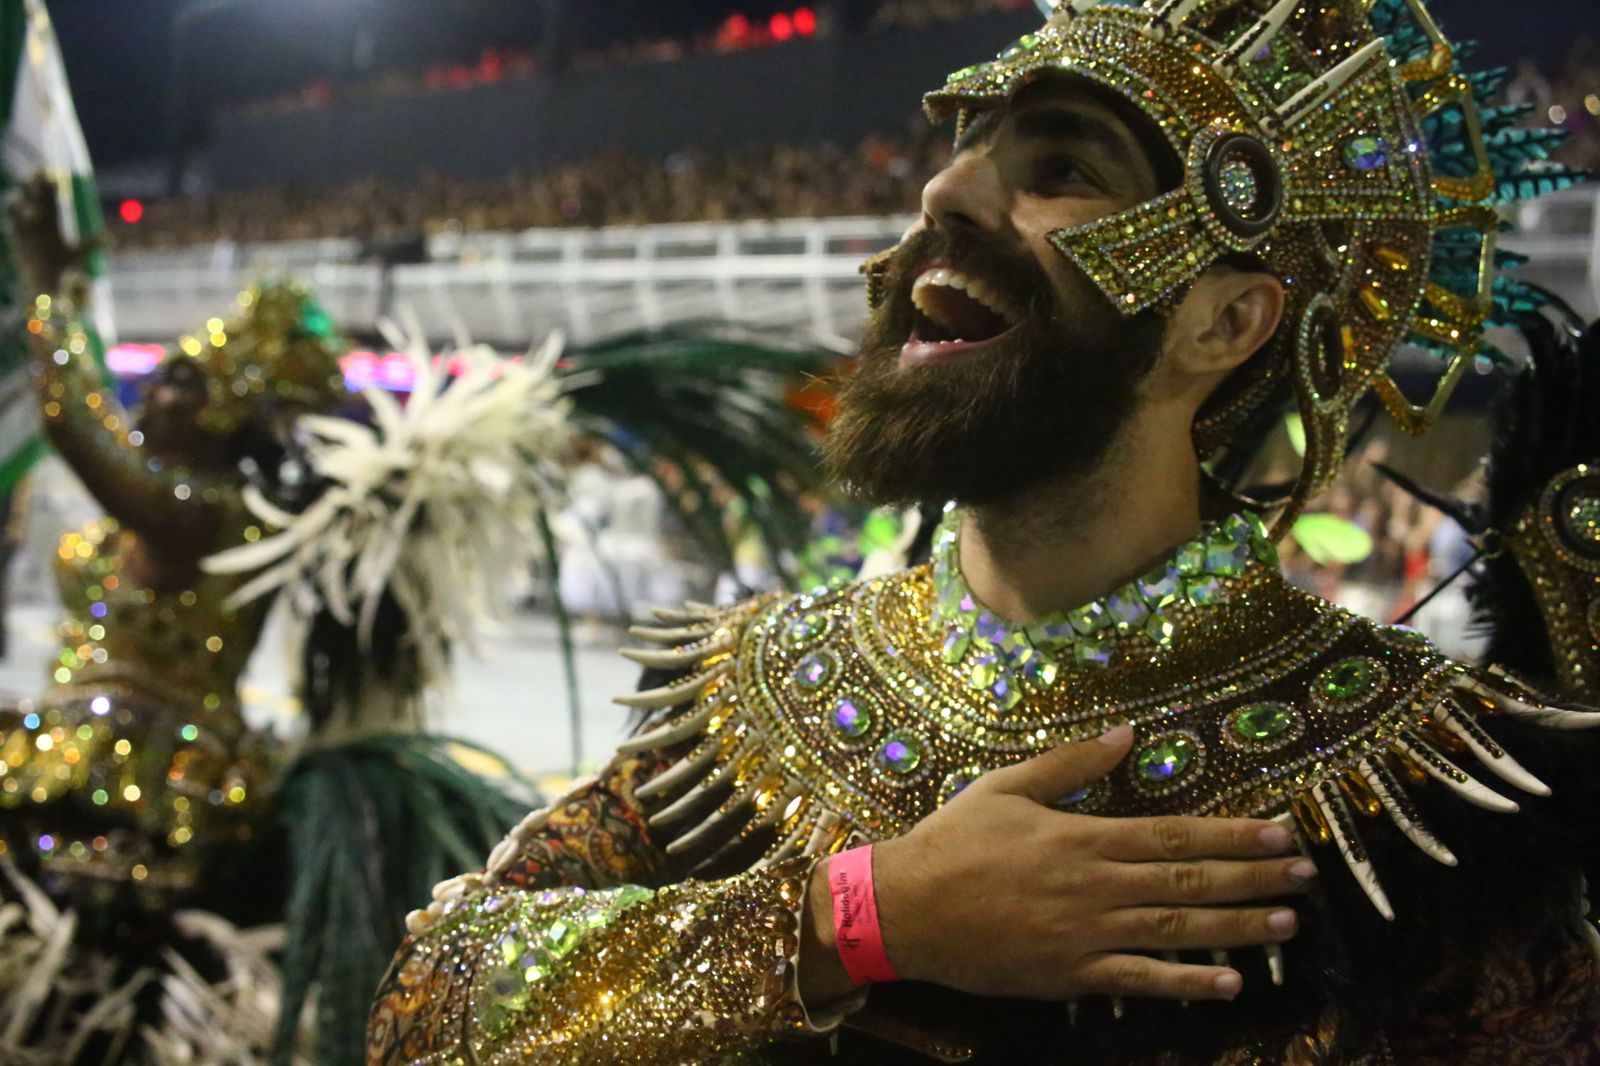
(119,53)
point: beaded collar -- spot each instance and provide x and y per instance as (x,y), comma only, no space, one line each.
(1009,660)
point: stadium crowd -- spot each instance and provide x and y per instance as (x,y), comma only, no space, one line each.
(881,175)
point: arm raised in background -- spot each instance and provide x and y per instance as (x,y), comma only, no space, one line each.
(94,433)
(83,419)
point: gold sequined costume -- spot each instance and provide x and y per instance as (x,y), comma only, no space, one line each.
(653,916)
(795,728)
(136,757)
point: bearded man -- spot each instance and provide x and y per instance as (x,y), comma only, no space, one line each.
(1020,804)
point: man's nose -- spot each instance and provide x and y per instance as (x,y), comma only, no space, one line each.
(967,197)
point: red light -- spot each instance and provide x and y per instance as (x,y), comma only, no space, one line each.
(782,27)
(805,22)
(737,26)
(492,67)
(130,211)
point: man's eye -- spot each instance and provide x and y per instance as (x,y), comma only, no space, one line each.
(1062,172)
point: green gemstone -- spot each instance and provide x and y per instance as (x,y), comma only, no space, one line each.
(1226,557)
(1161,587)
(629,895)
(1349,680)
(984,672)
(1191,560)
(852,718)
(1583,519)
(511,946)
(1026,44)
(806,629)
(816,670)
(1092,653)
(1166,760)
(508,989)
(1017,645)
(1161,629)
(1007,692)
(560,937)
(1089,620)
(901,753)
(535,967)
(1041,672)
(955,646)
(1203,592)
(966,72)
(1262,721)
(1366,153)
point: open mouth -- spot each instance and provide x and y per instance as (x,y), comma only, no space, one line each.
(956,314)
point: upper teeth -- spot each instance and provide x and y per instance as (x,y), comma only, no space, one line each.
(954,279)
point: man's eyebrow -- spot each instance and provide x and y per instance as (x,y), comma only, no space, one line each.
(1059,124)
(978,128)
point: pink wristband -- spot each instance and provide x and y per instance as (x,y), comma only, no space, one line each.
(856,931)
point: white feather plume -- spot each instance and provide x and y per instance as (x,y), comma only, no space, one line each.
(60,995)
(434,501)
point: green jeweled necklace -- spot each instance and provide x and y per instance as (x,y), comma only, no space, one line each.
(1009,660)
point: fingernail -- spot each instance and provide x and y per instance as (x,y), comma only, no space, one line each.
(1228,985)
(1276,837)
(1282,922)
(1303,870)
(1117,737)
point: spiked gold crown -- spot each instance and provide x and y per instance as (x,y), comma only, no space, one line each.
(280,348)
(1340,143)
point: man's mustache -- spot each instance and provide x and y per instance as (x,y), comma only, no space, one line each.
(1015,276)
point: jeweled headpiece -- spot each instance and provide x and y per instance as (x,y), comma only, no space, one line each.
(281,347)
(1337,141)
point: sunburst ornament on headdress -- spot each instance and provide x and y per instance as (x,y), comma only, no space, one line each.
(1340,143)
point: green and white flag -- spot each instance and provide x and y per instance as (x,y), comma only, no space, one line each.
(41,138)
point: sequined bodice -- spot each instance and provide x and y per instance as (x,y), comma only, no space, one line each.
(849,715)
(136,753)
(184,646)
(855,690)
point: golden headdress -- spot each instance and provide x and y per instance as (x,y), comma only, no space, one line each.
(280,348)
(1340,143)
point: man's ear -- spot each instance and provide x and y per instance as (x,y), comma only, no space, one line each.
(1228,316)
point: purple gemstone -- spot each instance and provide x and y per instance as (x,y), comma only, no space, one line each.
(990,628)
(900,754)
(814,670)
(851,718)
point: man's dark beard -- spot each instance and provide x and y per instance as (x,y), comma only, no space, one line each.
(1043,406)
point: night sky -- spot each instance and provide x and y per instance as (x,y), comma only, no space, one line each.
(118,52)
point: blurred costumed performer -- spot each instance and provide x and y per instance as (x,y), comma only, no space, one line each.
(156,822)
(153,818)
(1535,571)
(874,824)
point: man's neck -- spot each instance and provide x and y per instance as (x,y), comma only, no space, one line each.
(1067,544)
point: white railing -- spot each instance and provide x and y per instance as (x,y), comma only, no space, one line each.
(513,288)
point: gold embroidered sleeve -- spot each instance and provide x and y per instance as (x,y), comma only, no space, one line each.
(692,972)
(88,425)
(551,955)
